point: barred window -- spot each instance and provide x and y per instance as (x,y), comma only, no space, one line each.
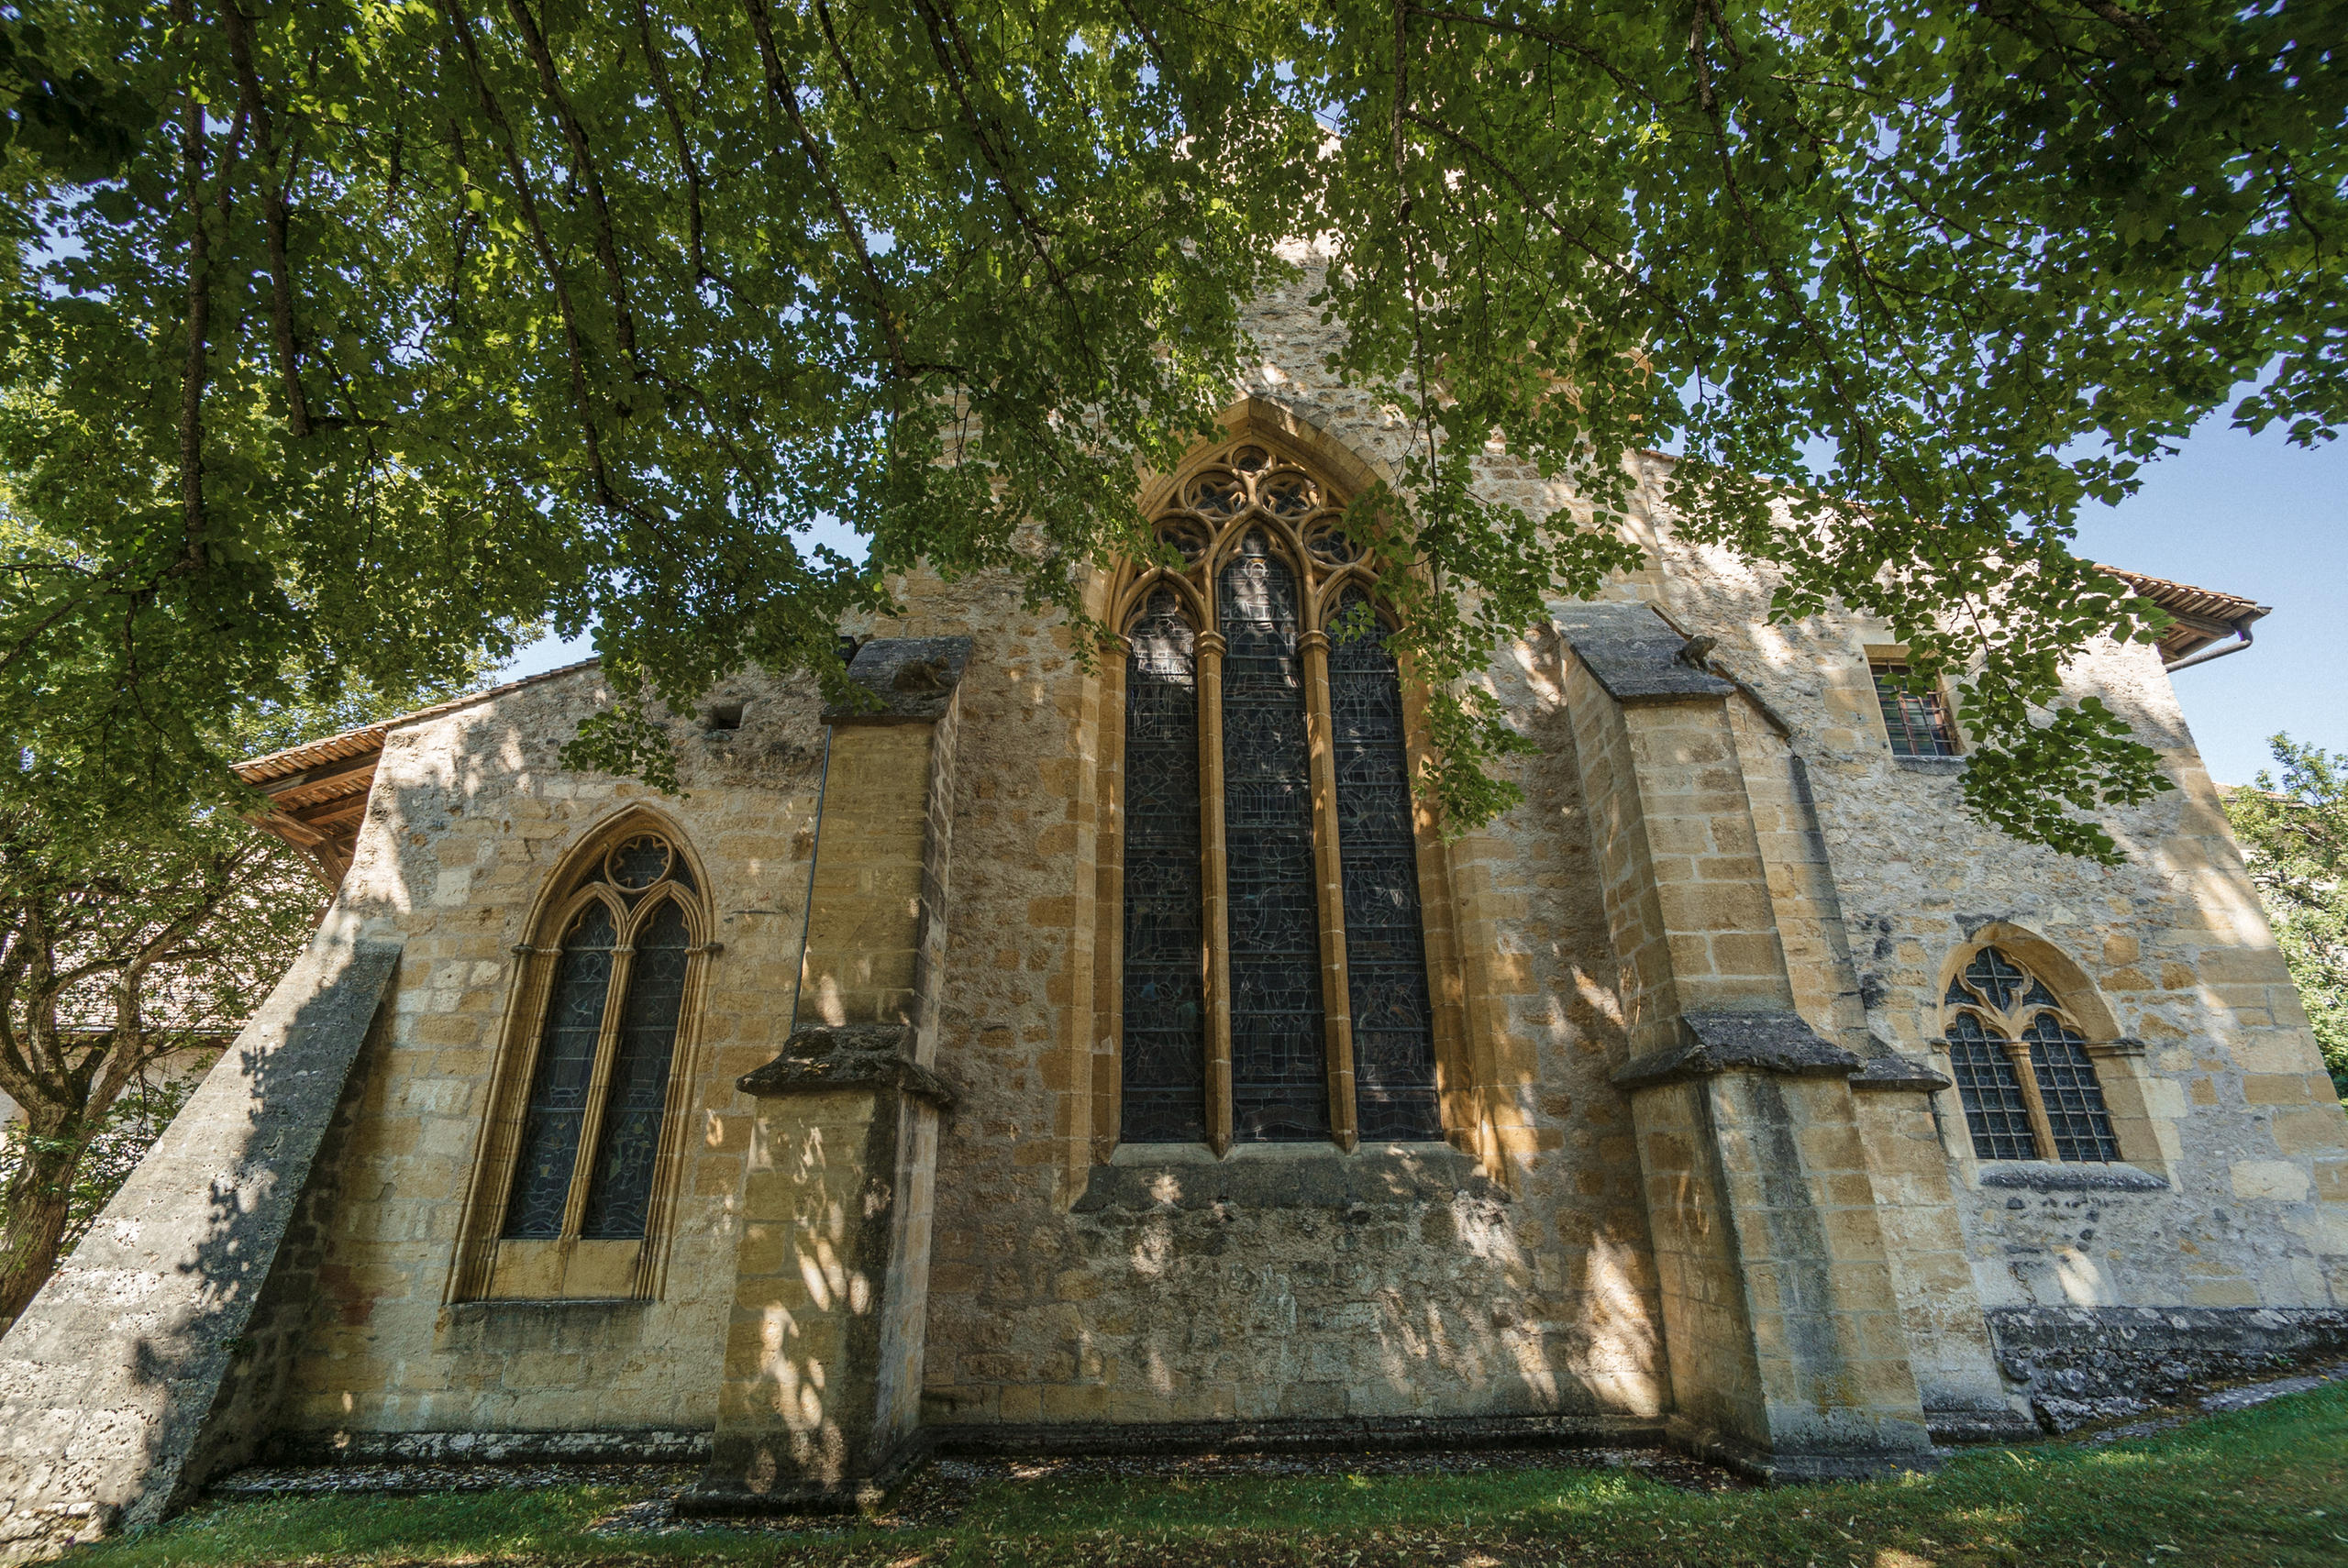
(2023,1071)
(1274,972)
(1916,720)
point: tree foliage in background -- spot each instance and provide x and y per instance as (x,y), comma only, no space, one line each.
(394,323)
(125,1133)
(2293,832)
(122,958)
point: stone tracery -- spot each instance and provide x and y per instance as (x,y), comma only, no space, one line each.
(2024,1074)
(1297,815)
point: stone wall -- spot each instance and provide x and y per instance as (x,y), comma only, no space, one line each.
(1507,1271)
(2228,1106)
(470,817)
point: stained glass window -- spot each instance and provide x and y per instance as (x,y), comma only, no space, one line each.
(2001,1003)
(606,1049)
(2074,1099)
(1280,1087)
(1313,845)
(1995,1112)
(558,1082)
(621,1185)
(1386,968)
(1164,1011)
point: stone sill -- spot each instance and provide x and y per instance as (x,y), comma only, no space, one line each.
(544,1303)
(1946,766)
(2049,1176)
(1154,1177)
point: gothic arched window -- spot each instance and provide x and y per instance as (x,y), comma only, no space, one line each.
(2022,1071)
(1274,971)
(582,1125)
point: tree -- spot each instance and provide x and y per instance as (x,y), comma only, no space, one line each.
(2293,833)
(120,954)
(110,965)
(396,325)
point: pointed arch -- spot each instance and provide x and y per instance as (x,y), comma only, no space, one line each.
(1239,1024)
(575,1167)
(2019,1022)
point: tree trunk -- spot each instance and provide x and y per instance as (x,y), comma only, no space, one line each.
(37,1198)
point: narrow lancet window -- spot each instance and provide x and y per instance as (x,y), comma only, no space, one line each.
(1386,967)
(638,1088)
(1164,947)
(1280,1087)
(559,1088)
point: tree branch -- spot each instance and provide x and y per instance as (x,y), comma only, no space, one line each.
(273,218)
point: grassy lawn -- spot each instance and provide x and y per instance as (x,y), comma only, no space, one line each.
(2264,1486)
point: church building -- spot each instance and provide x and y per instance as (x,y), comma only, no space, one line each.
(1049,1054)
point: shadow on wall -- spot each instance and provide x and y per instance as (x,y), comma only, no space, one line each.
(1391,1283)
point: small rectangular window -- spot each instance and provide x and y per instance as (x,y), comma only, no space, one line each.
(1917,723)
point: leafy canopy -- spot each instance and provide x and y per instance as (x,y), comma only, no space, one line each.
(2293,833)
(395,325)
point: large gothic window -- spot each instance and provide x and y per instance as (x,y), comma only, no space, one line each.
(2022,1071)
(1274,983)
(582,1125)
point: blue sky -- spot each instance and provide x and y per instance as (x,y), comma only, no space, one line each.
(2252,516)
(2257,516)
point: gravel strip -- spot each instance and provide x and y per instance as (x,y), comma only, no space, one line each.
(2242,1397)
(938,1494)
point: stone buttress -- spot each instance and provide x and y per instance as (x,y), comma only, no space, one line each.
(1782,1319)
(157,1354)
(820,1398)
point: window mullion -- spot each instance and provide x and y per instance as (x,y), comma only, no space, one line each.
(599,1084)
(2041,1127)
(1215,878)
(1336,993)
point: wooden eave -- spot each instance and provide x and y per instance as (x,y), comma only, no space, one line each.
(318,792)
(2199,616)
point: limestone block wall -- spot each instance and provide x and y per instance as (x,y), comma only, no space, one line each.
(1052,1299)
(1073,1279)
(2228,1106)
(1457,1299)
(471,815)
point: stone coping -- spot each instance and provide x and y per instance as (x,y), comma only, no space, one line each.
(1316,1177)
(1633,654)
(910,680)
(1715,1043)
(1892,1071)
(2068,1175)
(845,1056)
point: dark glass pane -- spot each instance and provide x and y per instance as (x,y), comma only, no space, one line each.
(1995,978)
(1917,723)
(2066,1082)
(1280,1087)
(1165,1003)
(558,1082)
(1385,965)
(621,1185)
(1995,1112)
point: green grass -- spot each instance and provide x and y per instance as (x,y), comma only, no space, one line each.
(2267,1485)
